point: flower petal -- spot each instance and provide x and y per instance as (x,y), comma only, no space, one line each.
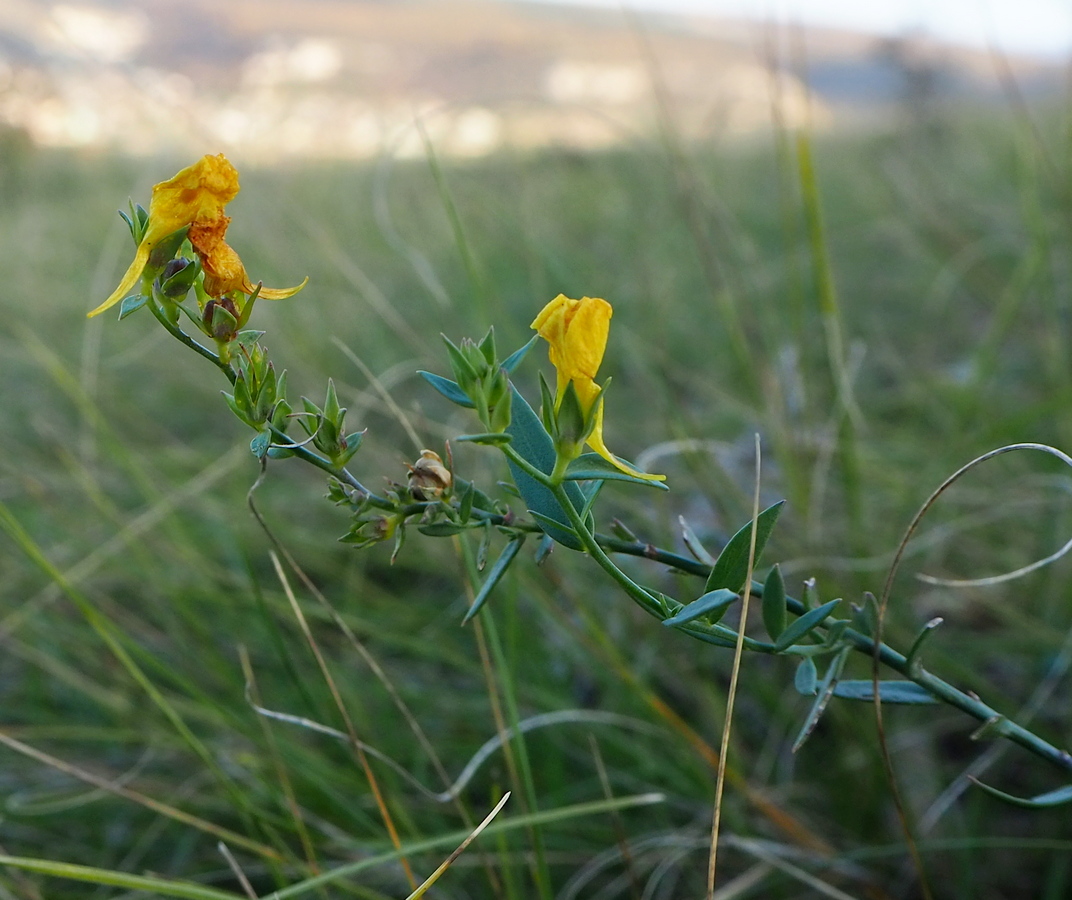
(129,280)
(196,193)
(595,441)
(279,293)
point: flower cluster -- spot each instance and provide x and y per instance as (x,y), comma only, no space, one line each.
(191,204)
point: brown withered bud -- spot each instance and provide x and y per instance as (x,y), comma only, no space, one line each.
(221,325)
(429,479)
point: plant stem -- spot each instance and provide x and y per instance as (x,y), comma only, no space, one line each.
(184,338)
(892,659)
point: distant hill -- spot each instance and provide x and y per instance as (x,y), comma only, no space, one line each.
(348,78)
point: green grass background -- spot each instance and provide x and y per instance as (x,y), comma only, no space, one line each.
(936,287)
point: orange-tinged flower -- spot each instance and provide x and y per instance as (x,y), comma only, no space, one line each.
(195,198)
(577,331)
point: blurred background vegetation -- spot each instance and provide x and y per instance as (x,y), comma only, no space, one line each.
(881,303)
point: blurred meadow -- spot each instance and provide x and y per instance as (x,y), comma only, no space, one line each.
(880,304)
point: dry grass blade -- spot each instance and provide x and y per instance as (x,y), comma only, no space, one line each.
(148,802)
(374,785)
(738,653)
(226,853)
(434,877)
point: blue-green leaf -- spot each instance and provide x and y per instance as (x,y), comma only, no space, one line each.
(544,549)
(800,628)
(731,567)
(548,525)
(448,389)
(774,617)
(806,680)
(1057,797)
(495,575)
(132,304)
(441,529)
(713,603)
(907,692)
(249,337)
(260,444)
(491,438)
(514,359)
(823,692)
(592,466)
(718,640)
(534,444)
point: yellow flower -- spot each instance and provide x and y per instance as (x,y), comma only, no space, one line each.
(577,331)
(195,198)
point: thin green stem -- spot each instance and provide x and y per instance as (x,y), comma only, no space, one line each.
(864,644)
(184,338)
(587,538)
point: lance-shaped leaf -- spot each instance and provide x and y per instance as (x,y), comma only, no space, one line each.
(592,466)
(907,692)
(824,692)
(534,444)
(514,359)
(802,626)
(442,529)
(714,604)
(498,570)
(448,389)
(1057,797)
(806,679)
(731,567)
(490,438)
(774,603)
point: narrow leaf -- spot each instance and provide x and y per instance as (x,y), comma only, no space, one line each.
(713,603)
(774,603)
(547,524)
(806,679)
(441,529)
(484,547)
(544,549)
(731,567)
(865,617)
(824,692)
(490,438)
(917,645)
(800,628)
(249,337)
(1057,797)
(907,692)
(693,543)
(465,505)
(487,347)
(592,466)
(448,389)
(514,359)
(495,575)
(463,368)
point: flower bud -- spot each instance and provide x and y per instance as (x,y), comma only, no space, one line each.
(429,479)
(220,318)
(177,277)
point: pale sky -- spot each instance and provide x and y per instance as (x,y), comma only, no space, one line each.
(1016,26)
